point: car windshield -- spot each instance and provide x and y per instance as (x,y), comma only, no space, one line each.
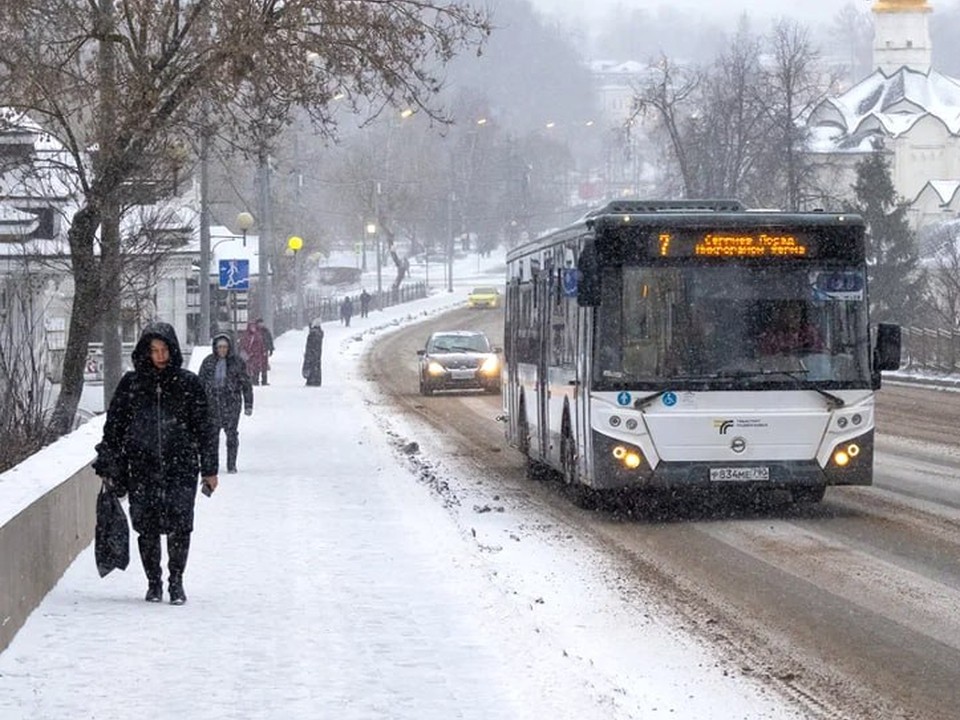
(458,343)
(484,291)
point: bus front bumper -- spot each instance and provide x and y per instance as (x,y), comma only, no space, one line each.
(611,473)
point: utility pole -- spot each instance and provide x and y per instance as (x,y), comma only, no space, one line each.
(378,225)
(450,201)
(203,334)
(264,239)
(298,218)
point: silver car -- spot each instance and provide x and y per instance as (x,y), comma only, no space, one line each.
(459,360)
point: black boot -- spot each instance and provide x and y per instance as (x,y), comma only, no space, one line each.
(233,447)
(150,557)
(177,595)
(178,547)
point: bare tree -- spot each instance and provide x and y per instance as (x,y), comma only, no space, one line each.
(141,68)
(23,379)
(793,86)
(669,97)
(727,138)
(943,241)
(713,118)
(735,129)
(853,31)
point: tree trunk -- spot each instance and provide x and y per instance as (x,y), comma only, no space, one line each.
(83,316)
(111,270)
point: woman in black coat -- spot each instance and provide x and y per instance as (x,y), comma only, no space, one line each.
(156,439)
(229,390)
(312,353)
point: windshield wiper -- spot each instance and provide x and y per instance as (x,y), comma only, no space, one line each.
(641,403)
(796,376)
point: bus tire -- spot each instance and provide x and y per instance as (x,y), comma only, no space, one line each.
(535,470)
(568,459)
(523,432)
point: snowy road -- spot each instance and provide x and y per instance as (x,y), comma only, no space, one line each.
(851,607)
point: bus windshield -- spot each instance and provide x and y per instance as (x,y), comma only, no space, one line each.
(732,326)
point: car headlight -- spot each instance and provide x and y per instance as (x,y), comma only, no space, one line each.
(490,366)
(435,368)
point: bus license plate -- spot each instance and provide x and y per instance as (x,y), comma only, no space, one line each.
(740,474)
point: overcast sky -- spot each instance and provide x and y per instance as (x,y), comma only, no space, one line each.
(810,11)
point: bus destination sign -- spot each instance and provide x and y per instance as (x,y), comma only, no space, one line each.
(733,244)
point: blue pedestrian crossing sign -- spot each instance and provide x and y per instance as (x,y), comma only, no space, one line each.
(234,274)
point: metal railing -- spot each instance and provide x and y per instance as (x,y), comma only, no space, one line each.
(328,308)
(930,350)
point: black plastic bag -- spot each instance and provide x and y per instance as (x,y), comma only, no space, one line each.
(112,537)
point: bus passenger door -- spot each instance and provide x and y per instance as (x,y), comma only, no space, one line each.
(511,383)
(542,315)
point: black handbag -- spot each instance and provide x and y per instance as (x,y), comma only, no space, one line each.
(112,535)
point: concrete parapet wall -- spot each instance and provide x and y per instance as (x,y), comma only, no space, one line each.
(47,517)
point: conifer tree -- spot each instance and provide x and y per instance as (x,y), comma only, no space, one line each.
(897,282)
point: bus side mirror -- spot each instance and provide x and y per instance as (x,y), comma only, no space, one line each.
(588,280)
(887,353)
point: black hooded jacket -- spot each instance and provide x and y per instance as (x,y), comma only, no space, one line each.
(158,437)
(227,401)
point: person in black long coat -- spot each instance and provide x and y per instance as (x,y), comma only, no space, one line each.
(229,390)
(157,438)
(346,310)
(311,355)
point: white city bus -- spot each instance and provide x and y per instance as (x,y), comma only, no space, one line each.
(658,344)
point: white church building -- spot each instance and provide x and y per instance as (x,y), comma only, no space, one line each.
(906,108)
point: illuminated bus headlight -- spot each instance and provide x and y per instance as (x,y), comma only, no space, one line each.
(435,368)
(842,456)
(491,366)
(629,457)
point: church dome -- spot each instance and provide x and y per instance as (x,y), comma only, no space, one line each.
(901,6)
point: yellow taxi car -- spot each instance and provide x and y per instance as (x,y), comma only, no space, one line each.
(484,297)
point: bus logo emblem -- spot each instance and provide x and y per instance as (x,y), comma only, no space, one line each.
(723,425)
(623,398)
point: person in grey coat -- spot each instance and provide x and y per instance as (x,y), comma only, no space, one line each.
(157,439)
(229,390)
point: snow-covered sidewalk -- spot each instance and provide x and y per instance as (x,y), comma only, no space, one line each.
(325,581)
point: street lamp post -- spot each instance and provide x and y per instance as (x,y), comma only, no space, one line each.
(244,222)
(372,230)
(295,244)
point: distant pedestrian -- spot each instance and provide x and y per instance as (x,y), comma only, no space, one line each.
(364,303)
(267,336)
(346,311)
(311,355)
(157,438)
(228,387)
(253,350)
(268,346)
